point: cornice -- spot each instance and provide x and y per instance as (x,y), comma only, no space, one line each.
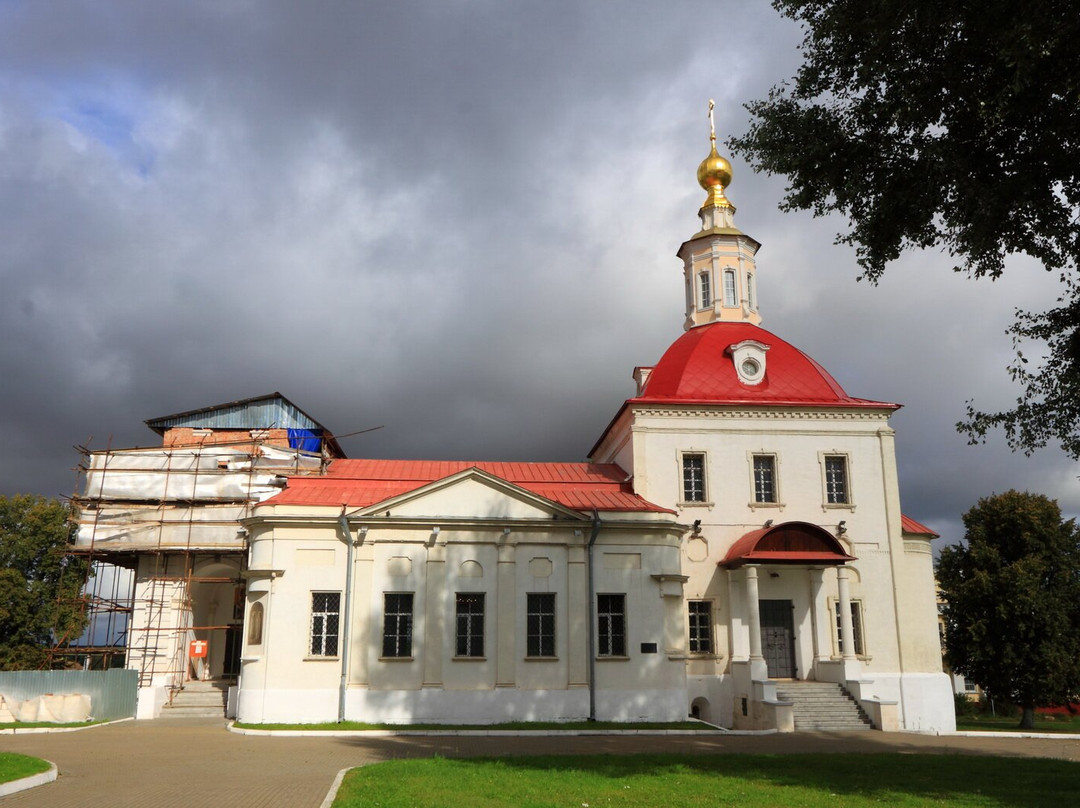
(771,413)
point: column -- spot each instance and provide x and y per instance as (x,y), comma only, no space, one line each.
(435,599)
(506,618)
(758,669)
(819,615)
(847,631)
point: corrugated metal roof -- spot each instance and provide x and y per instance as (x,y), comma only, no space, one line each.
(909,525)
(360,483)
(262,412)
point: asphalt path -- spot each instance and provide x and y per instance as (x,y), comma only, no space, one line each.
(197,762)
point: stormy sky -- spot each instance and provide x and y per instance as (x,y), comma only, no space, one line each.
(455,220)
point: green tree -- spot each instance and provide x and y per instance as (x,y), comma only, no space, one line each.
(949,124)
(39,583)
(1012,593)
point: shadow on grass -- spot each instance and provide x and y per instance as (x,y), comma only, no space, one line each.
(753,780)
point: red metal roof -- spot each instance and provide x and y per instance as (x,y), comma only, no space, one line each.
(360,483)
(909,525)
(787,543)
(698,368)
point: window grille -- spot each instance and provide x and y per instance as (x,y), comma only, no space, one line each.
(764,478)
(693,470)
(470,624)
(611,619)
(701,627)
(325,617)
(397,624)
(540,628)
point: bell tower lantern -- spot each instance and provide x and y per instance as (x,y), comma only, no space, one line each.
(719,267)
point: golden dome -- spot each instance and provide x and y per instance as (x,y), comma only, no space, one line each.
(714,175)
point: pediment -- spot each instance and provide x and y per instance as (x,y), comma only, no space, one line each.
(472,494)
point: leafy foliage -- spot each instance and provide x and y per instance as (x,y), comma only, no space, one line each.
(39,584)
(1012,592)
(952,124)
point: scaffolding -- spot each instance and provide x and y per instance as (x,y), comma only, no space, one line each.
(166,514)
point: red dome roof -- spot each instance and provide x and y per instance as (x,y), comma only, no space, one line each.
(698,368)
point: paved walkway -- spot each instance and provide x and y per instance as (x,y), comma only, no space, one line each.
(197,762)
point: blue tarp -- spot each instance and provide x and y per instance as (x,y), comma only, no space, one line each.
(306,440)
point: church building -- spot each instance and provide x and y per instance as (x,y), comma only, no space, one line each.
(733,545)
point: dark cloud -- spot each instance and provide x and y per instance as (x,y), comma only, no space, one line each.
(454,220)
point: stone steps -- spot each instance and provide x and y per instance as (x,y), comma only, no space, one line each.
(198,700)
(823,706)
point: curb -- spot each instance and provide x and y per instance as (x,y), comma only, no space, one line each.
(46,730)
(34,780)
(486,733)
(331,795)
(1047,736)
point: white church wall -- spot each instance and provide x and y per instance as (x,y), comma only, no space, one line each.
(283,681)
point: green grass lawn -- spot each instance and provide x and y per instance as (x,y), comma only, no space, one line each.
(747,781)
(15,767)
(29,724)
(986,723)
(602,726)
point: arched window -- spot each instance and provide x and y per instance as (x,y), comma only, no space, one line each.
(255,625)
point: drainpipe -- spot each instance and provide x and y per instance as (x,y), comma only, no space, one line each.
(592,617)
(344,632)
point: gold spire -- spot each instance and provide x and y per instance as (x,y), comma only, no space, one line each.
(714,173)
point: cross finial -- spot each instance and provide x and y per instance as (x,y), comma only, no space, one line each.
(712,124)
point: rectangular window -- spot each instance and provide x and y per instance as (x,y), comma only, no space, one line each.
(693,477)
(750,291)
(470,624)
(325,617)
(540,628)
(701,627)
(397,625)
(611,620)
(706,290)
(764,478)
(856,627)
(730,298)
(836,480)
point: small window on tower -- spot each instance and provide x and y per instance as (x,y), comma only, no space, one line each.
(750,301)
(730,297)
(706,290)
(693,477)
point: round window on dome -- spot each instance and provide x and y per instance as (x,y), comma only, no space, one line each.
(750,368)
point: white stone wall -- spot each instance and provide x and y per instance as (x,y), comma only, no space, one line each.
(511,551)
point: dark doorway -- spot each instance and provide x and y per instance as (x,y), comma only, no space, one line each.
(234,638)
(778,637)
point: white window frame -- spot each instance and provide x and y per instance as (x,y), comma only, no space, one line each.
(823,459)
(751,297)
(466,623)
(777,501)
(731,288)
(411,626)
(542,636)
(319,626)
(707,613)
(857,627)
(705,289)
(606,636)
(683,458)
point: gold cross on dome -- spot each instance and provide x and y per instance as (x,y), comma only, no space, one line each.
(712,124)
